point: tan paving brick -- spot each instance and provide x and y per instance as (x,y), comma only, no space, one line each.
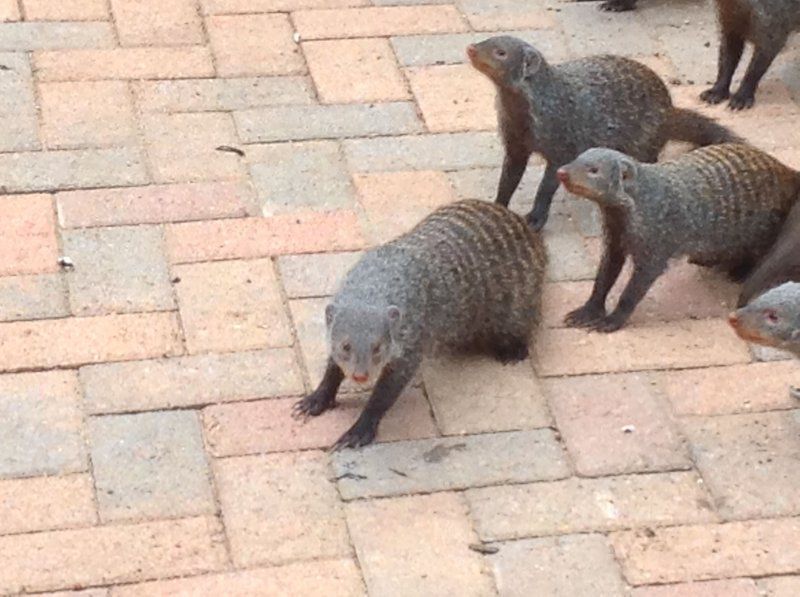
(29,36)
(417,546)
(616,424)
(46,503)
(266,425)
(79,341)
(305,518)
(316,275)
(663,346)
(86,114)
(584,505)
(177,143)
(32,297)
(254,44)
(562,566)
(701,552)
(490,15)
(157,23)
(27,235)
(231,305)
(189,381)
(316,578)
(765,445)
(248,6)
(355,70)
(153,204)
(780,586)
(377,21)
(739,587)
(479,395)
(101,555)
(123,63)
(66,10)
(86,593)
(9,11)
(257,237)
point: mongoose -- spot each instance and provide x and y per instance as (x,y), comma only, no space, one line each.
(781,264)
(467,278)
(721,205)
(615,5)
(561,110)
(766,24)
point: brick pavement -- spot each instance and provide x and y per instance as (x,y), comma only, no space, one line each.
(145,440)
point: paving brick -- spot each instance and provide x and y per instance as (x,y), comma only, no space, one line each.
(231,305)
(388,218)
(83,168)
(664,346)
(780,586)
(256,237)
(117,270)
(584,505)
(254,44)
(86,114)
(752,387)
(305,518)
(20,37)
(738,587)
(569,565)
(42,425)
(79,341)
(266,425)
(86,593)
(177,143)
(27,235)
(605,34)
(150,465)
(449,463)
(156,23)
(249,6)
(377,21)
(454,97)
(291,176)
(17,104)
(616,424)
(45,503)
(9,11)
(701,552)
(569,259)
(213,95)
(123,63)
(317,275)
(32,297)
(481,183)
(355,70)
(417,546)
(112,554)
(153,204)
(190,381)
(479,395)
(691,44)
(66,10)
(445,151)
(490,15)
(765,445)
(297,123)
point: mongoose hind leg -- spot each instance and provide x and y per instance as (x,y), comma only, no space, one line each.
(730,52)
(324,397)
(738,271)
(618,5)
(746,94)
(510,349)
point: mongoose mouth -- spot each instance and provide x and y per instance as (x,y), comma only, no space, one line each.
(746,334)
(362,379)
(475,59)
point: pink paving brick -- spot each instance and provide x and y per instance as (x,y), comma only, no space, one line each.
(738,587)
(157,23)
(46,503)
(65,10)
(378,21)
(27,235)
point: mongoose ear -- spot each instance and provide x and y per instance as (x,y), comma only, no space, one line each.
(531,61)
(330,311)
(393,313)
(627,170)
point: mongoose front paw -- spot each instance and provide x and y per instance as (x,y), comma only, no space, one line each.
(536,221)
(609,324)
(617,6)
(714,95)
(794,392)
(312,405)
(741,100)
(584,317)
(360,434)
(511,351)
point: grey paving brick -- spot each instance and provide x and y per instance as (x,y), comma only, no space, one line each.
(424,466)
(117,270)
(84,168)
(305,276)
(32,297)
(41,425)
(55,35)
(200,95)
(291,176)
(18,129)
(190,381)
(569,259)
(296,123)
(481,183)
(692,48)
(445,151)
(150,465)
(605,32)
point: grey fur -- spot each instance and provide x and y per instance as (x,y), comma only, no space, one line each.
(772,319)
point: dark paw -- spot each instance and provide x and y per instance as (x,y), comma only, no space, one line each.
(794,392)
(612,6)
(360,434)
(741,100)
(584,317)
(609,324)
(714,95)
(536,221)
(511,352)
(312,405)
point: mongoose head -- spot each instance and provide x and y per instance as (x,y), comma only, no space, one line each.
(362,338)
(602,175)
(771,319)
(505,60)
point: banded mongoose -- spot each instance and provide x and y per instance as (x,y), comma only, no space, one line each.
(615,5)
(561,110)
(467,278)
(781,264)
(766,24)
(721,205)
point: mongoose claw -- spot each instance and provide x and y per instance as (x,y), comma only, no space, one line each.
(714,96)
(311,406)
(609,324)
(741,101)
(584,317)
(360,434)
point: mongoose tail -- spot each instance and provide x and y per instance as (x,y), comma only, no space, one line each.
(692,127)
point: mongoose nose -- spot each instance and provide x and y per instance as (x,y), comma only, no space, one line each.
(360,378)
(471,50)
(562,175)
(733,319)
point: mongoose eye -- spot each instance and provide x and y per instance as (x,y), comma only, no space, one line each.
(346,347)
(376,350)
(593,170)
(500,53)
(771,316)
